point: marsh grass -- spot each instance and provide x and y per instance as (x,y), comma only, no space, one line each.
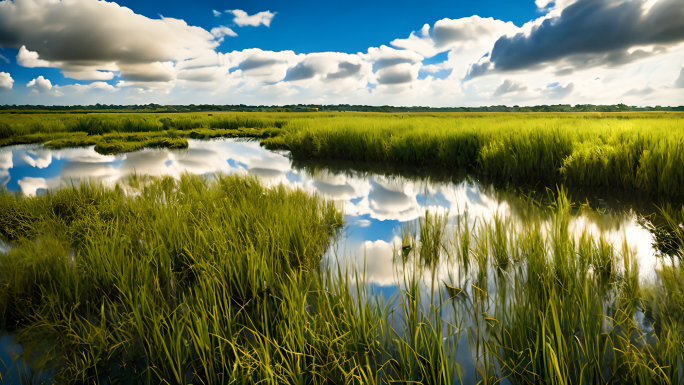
(544,306)
(119,133)
(159,280)
(633,152)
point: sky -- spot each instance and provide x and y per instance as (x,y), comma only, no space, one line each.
(401,52)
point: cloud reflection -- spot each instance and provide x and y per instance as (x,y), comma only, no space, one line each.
(376,206)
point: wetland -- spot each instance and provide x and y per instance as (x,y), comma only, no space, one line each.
(342,248)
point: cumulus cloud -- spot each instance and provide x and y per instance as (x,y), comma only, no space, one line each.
(570,53)
(347,69)
(590,33)
(432,68)
(94,86)
(202,74)
(6,81)
(221,32)
(26,58)
(243,19)
(266,66)
(679,83)
(479,68)
(329,66)
(558,91)
(509,86)
(397,74)
(468,33)
(149,72)
(88,39)
(41,85)
(385,56)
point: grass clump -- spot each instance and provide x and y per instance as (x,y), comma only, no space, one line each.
(173,282)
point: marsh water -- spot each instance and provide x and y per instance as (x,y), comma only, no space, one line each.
(379,205)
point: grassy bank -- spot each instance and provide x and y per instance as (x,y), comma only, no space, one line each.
(641,152)
(119,133)
(630,151)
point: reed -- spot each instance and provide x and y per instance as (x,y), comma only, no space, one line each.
(220,280)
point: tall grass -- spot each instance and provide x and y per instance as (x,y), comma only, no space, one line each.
(630,151)
(117,133)
(627,151)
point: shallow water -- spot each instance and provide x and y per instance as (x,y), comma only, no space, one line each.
(376,206)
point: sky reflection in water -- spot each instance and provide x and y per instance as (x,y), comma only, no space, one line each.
(376,206)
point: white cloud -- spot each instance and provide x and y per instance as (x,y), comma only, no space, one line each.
(221,32)
(6,81)
(26,58)
(96,38)
(167,61)
(593,33)
(466,34)
(41,85)
(149,72)
(6,60)
(508,86)
(94,86)
(266,66)
(328,66)
(203,74)
(243,19)
(385,56)
(216,13)
(558,91)
(432,68)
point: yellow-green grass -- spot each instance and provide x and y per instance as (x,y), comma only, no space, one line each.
(630,151)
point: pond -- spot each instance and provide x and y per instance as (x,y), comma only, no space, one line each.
(380,208)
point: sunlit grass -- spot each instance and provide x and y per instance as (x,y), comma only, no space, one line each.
(630,151)
(220,281)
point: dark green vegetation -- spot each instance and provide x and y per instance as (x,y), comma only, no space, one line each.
(196,281)
(327,108)
(634,152)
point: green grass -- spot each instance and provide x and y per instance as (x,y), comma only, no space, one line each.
(220,281)
(629,151)
(119,133)
(640,152)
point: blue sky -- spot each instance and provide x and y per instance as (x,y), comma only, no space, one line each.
(342,26)
(438,53)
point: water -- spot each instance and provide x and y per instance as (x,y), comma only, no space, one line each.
(376,206)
